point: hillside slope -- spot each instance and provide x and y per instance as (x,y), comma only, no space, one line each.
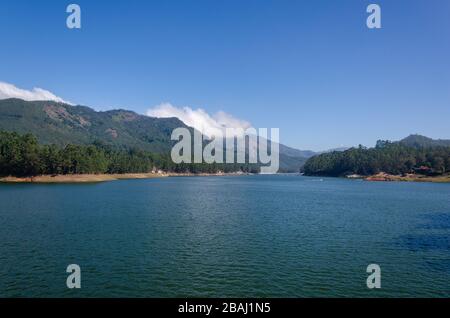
(61,124)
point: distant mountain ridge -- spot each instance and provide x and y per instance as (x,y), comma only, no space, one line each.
(422,141)
(61,124)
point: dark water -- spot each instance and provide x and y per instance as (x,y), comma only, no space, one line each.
(278,236)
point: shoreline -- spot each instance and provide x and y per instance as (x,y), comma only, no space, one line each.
(384,177)
(80,178)
(95,178)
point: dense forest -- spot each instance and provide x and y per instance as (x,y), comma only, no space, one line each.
(390,157)
(22,155)
(61,124)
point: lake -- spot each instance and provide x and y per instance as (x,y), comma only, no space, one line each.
(237,236)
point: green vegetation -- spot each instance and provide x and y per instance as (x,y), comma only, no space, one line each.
(61,124)
(22,155)
(395,158)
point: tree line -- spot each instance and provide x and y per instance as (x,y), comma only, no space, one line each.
(389,157)
(22,155)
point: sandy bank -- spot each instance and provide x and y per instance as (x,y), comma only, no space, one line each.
(81,178)
(91,178)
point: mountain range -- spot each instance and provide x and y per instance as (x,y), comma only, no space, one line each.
(61,124)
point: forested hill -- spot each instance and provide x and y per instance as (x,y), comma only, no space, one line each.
(23,156)
(414,154)
(62,124)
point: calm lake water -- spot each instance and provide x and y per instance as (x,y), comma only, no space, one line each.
(249,236)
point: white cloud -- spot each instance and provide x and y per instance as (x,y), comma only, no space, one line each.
(199,118)
(10,91)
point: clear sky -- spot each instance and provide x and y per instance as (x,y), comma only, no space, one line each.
(311,68)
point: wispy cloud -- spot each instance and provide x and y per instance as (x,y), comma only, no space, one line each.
(10,91)
(199,118)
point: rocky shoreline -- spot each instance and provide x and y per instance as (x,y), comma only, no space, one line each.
(408,178)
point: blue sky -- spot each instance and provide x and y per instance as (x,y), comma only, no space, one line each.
(311,68)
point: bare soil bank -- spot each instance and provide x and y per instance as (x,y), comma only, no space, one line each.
(80,178)
(408,177)
(91,178)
